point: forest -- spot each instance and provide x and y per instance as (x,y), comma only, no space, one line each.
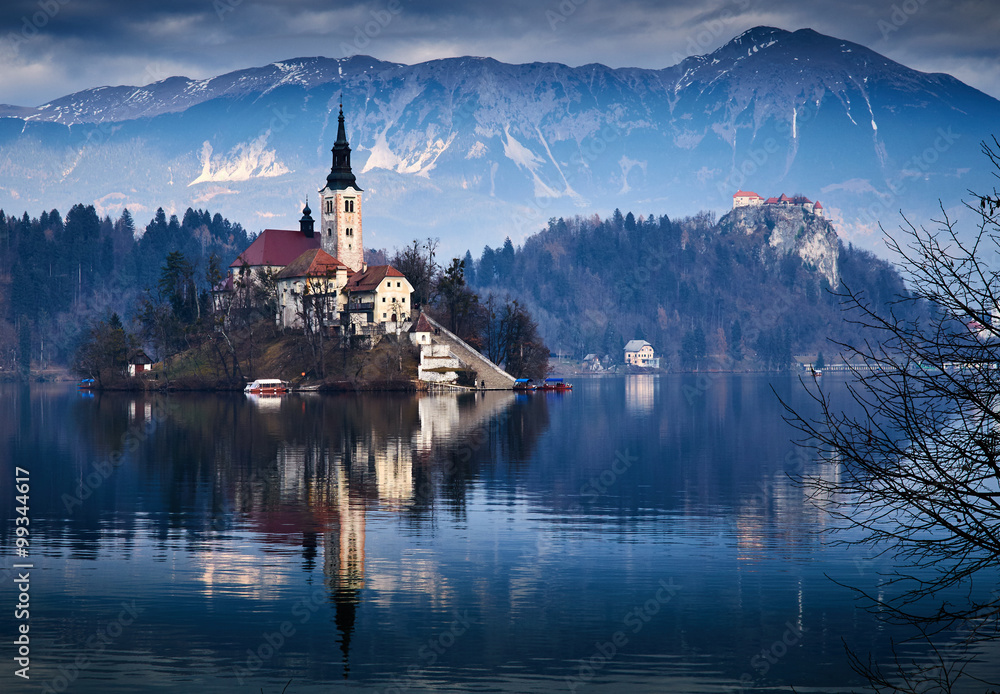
(704,295)
(85,291)
(58,276)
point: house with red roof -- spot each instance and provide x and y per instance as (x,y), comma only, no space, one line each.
(273,249)
(378,294)
(311,287)
(743,198)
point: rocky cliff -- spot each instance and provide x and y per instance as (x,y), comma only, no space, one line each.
(791,229)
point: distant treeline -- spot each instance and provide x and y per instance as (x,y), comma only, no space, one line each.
(703,297)
(58,274)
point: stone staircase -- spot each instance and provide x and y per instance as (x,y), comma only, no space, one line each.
(495,377)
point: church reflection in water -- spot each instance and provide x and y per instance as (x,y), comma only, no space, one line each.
(307,471)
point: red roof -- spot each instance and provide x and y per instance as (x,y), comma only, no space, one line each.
(313,263)
(225,285)
(276,247)
(771,201)
(422,325)
(818,205)
(369,280)
(745,194)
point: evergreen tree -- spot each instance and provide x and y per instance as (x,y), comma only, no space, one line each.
(617,221)
(103,355)
(693,347)
(486,273)
(505,261)
(459,302)
(470,268)
(177,286)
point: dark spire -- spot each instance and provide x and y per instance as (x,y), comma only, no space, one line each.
(306,223)
(346,603)
(341,176)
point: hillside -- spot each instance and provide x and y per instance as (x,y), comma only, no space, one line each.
(471,150)
(747,291)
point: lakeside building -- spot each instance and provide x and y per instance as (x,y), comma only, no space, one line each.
(320,274)
(641,353)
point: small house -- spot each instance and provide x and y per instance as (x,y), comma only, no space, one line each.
(138,362)
(640,353)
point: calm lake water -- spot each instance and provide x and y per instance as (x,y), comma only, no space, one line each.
(639,534)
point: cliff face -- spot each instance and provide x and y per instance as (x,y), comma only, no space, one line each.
(790,230)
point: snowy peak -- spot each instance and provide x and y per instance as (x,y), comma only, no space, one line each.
(441,141)
(176,94)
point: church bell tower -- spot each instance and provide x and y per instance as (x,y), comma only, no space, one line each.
(340,210)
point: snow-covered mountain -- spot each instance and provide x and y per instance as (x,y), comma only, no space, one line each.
(471,149)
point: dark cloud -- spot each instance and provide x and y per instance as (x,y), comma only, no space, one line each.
(52,47)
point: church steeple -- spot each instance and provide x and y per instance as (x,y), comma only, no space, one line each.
(340,205)
(341,176)
(306,223)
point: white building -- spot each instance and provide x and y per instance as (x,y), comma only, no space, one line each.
(640,353)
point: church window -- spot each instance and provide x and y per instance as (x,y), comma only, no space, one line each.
(349,205)
(329,205)
(329,231)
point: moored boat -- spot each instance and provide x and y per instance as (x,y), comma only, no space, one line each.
(266,386)
(524,384)
(555,383)
(87,384)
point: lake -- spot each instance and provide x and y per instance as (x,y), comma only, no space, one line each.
(638,534)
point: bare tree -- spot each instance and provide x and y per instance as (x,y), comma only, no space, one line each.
(917,471)
(240,315)
(317,310)
(417,264)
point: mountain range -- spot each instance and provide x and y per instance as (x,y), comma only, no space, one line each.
(472,150)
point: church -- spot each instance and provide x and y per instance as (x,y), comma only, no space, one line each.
(320,274)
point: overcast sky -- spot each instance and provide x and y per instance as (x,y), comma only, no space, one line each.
(49,48)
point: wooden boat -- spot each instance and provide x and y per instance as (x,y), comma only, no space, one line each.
(266,386)
(87,384)
(556,384)
(524,384)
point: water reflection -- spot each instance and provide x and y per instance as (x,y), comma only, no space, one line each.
(640,392)
(474,541)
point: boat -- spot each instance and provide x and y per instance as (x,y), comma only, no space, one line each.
(87,384)
(266,386)
(556,384)
(523,384)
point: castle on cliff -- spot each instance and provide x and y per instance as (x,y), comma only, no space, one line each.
(743,198)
